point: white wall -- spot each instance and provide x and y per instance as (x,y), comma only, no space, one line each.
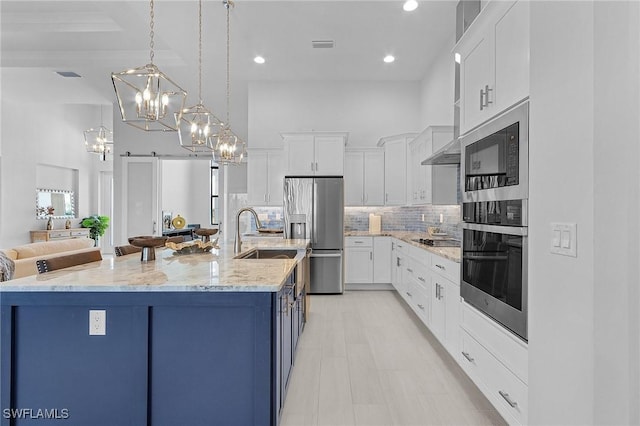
(368,110)
(437,88)
(49,135)
(583,330)
(616,194)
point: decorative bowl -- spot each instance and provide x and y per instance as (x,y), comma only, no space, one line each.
(147,241)
(192,247)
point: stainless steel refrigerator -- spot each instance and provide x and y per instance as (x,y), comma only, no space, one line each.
(314,209)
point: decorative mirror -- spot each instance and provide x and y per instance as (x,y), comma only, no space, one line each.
(54,203)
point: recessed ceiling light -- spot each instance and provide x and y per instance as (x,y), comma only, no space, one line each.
(410,5)
(259,60)
(389,58)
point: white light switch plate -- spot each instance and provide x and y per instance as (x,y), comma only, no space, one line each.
(97,322)
(564,239)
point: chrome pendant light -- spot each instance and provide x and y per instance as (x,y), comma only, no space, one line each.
(229,148)
(198,126)
(147,98)
(99,141)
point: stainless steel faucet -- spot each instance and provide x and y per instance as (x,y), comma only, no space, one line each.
(237,244)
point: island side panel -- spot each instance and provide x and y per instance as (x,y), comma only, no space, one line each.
(49,330)
(210,365)
(76,377)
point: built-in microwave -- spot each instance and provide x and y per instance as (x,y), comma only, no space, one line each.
(494,161)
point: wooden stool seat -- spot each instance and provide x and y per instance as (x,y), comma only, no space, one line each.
(60,262)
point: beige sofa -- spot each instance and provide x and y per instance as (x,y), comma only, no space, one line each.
(25,256)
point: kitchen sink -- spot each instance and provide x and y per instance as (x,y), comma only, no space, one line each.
(268,254)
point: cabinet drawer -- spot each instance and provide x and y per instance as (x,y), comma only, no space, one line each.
(59,234)
(358,241)
(80,233)
(510,350)
(422,304)
(445,267)
(507,393)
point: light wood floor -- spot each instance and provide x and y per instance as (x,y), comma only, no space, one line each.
(365,359)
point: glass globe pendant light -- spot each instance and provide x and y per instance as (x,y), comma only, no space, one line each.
(147,98)
(198,126)
(229,148)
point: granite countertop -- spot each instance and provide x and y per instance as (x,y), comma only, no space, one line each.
(214,271)
(451,253)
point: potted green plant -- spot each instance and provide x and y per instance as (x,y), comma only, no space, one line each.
(97,225)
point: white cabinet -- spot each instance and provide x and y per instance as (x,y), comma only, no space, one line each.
(398,265)
(358,260)
(367,261)
(364,178)
(432,184)
(497,362)
(314,153)
(382,260)
(396,178)
(494,66)
(265,175)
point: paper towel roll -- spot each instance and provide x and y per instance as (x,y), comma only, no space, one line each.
(375,223)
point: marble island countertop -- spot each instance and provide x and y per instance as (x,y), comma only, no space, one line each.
(213,271)
(451,253)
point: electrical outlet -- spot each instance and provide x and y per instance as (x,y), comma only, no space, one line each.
(441,218)
(423,217)
(97,322)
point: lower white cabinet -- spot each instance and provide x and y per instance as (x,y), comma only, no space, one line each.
(358,260)
(367,261)
(496,361)
(381,260)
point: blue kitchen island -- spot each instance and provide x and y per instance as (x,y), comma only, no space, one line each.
(201,339)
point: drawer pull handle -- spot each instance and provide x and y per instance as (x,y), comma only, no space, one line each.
(421,306)
(410,270)
(506,397)
(440,266)
(467,356)
(409,294)
(422,279)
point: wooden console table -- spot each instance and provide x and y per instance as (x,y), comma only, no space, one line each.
(58,234)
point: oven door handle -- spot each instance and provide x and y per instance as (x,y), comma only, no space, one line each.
(508,230)
(470,257)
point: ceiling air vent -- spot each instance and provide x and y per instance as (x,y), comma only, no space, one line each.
(322,44)
(68,74)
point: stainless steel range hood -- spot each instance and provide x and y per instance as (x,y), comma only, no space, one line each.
(448,154)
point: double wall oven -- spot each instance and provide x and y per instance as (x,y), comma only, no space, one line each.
(495,192)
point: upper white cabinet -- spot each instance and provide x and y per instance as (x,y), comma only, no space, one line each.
(494,66)
(364,178)
(431,184)
(314,153)
(265,175)
(396,178)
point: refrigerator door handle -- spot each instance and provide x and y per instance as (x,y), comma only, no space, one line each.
(314,225)
(325,255)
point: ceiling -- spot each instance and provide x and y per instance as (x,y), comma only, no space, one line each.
(95,38)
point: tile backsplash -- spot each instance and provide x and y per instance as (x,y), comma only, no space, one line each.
(407,218)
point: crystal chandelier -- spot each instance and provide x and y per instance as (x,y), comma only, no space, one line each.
(99,141)
(198,125)
(229,148)
(147,98)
